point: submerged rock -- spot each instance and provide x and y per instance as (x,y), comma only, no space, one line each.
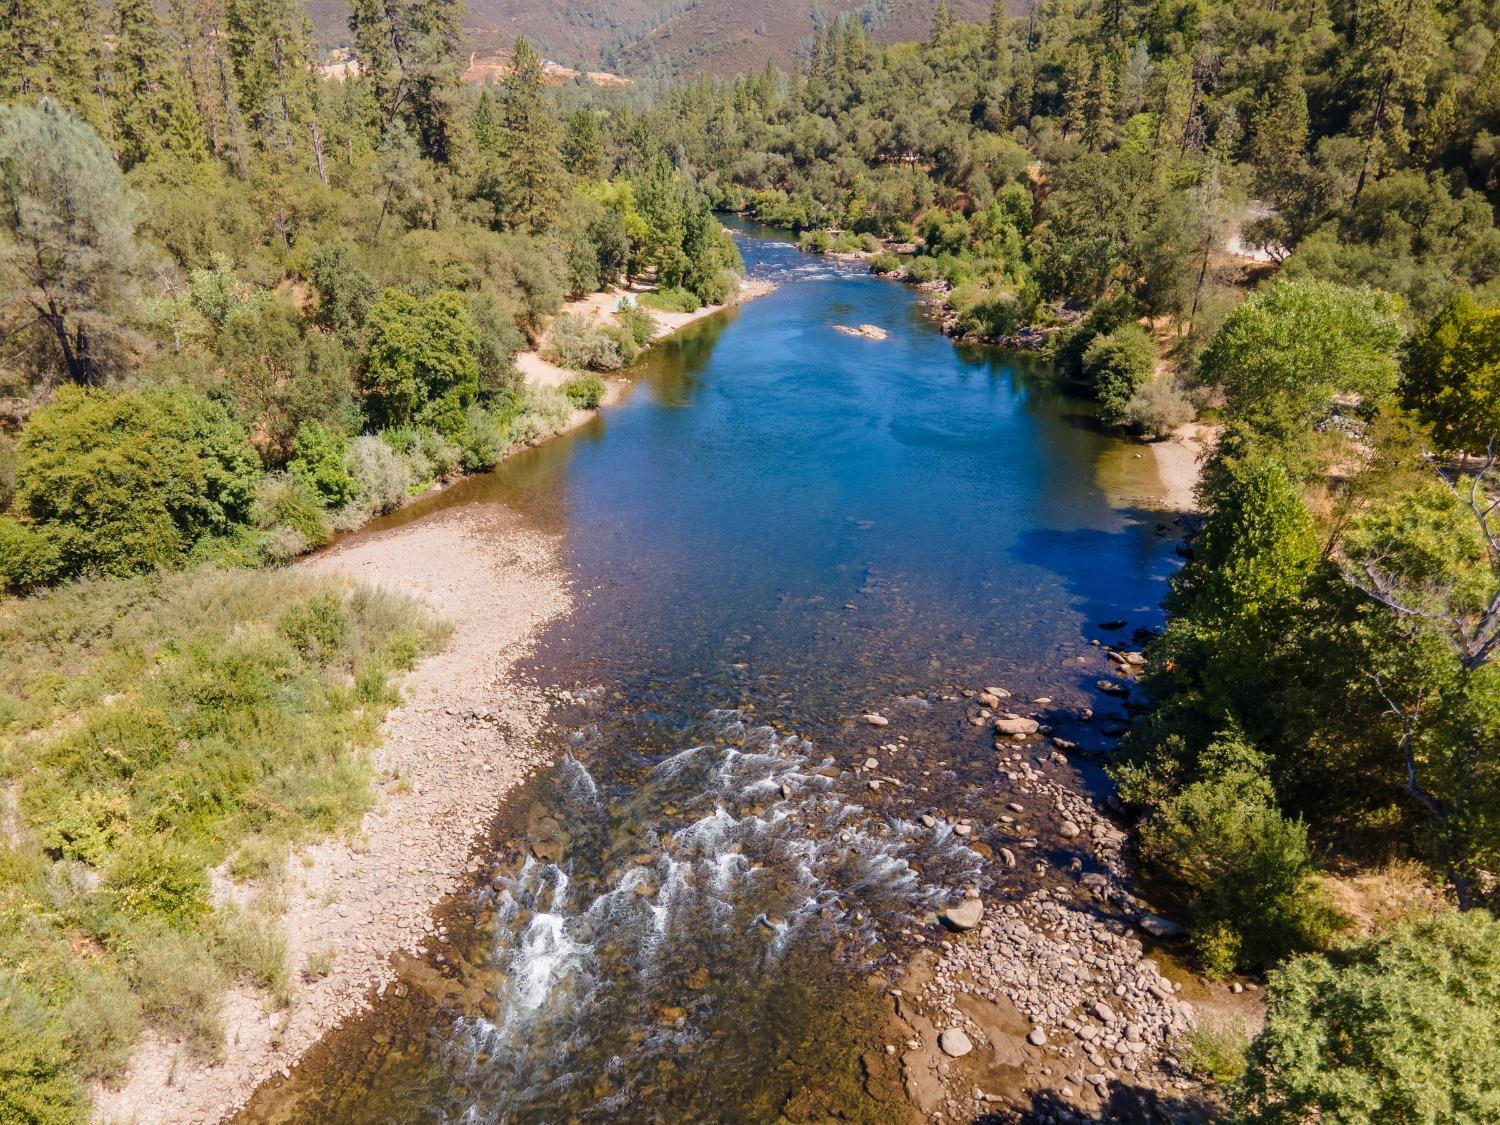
(1157,926)
(875,719)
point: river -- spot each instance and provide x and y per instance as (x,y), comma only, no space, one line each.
(781,529)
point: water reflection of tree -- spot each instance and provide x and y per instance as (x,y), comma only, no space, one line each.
(672,366)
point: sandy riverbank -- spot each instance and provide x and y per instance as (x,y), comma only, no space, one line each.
(463,737)
(600,310)
(1179,461)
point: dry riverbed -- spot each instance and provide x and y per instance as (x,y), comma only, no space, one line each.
(461,739)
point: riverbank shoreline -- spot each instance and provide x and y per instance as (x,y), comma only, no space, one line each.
(463,737)
(1179,463)
(446,765)
(599,311)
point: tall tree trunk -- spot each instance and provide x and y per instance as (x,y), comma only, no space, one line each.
(317,148)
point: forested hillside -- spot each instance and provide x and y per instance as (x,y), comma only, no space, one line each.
(665,37)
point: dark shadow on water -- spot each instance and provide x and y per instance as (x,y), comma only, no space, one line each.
(1127,1104)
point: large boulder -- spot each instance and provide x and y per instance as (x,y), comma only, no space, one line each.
(965,916)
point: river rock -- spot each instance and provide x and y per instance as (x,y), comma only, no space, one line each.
(1068,830)
(1102,1011)
(876,720)
(1157,926)
(965,916)
(1110,687)
(1008,857)
(955,1043)
(1016,726)
(997,692)
(1037,1038)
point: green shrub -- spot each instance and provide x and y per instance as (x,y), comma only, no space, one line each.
(7,470)
(885,264)
(117,483)
(1216,1050)
(102,1020)
(586,391)
(672,299)
(1247,869)
(292,516)
(576,344)
(546,411)
(27,557)
(178,982)
(154,875)
(320,460)
(1399,1027)
(481,444)
(36,1086)
(1116,365)
(251,946)
(994,315)
(156,727)
(637,322)
(421,364)
(382,480)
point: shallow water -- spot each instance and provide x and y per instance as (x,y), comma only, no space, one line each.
(781,528)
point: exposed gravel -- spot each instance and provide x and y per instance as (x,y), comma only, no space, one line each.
(464,736)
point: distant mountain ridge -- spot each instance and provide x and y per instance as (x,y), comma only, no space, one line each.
(675,36)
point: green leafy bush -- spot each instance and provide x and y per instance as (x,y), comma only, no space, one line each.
(158,726)
(1399,1027)
(481,444)
(586,391)
(1117,365)
(382,480)
(320,460)
(420,365)
(1248,870)
(638,325)
(672,299)
(574,343)
(36,1080)
(117,483)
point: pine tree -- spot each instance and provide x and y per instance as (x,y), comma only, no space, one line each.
(1078,69)
(1438,129)
(582,150)
(484,125)
(531,173)
(431,74)
(1100,128)
(375,47)
(1393,50)
(1279,135)
(994,33)
(68,248)
(942,22)
(154,109)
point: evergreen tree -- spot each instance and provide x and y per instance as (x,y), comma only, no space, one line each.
(582,150)
(531,175)
(375,47)
(69,251)
(154,110)
(994,32)
(1279,135)
(430,74)
(1393,50)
